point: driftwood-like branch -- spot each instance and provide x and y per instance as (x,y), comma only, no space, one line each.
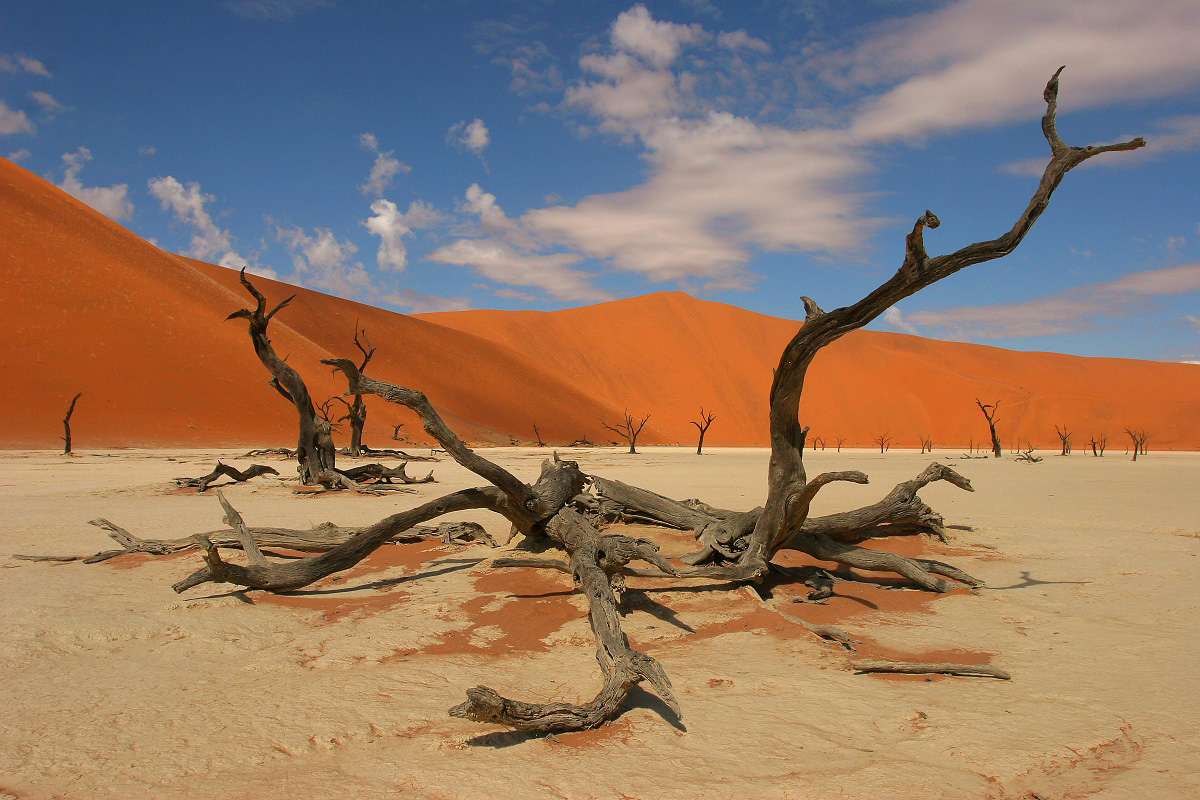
(918,668)
(202,484)
(378,473)
(917,271)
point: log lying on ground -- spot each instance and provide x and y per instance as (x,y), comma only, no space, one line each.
(202,484)
(928,668)
(378,473)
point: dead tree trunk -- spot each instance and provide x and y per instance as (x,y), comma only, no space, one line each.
(989,413)
(314,447)
(1065,436)
(748,540)
(1138,437)
(1098,444)
(706,419)
(356,411)
(66,437)
(884,441)
(628,430)
(926,443)
(538,435)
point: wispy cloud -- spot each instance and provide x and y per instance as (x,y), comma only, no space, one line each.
(418,303)
(1064,312)
(385,168)
(47,104)
(111,201)
(17,156)
(19,62)
(497,261)
(209,242)
(275,9)
(13,121)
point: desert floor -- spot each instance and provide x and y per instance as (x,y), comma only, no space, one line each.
(114,686)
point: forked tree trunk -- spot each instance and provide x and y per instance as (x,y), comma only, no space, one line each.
(706,419)
(315,453)
(989,413)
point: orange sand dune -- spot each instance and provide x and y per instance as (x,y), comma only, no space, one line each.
(91,307)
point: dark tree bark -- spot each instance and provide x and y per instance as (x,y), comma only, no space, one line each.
(314,447)
(202,484)
(926,443)
(538,434)
(357,410)
(1064,436)
(706,419)
(840,442)
(1098,444)
(1138,437)
(66,437)
(628,430)
(884,441)
(989,413)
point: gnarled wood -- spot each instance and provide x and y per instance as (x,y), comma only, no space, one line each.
(201,484)
(66,437)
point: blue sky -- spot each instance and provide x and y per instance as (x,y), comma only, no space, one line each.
(448,155)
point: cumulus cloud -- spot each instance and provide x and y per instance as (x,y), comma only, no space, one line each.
(13,121)
(976,63)
(209,242)
(111,201)
(385,168)
(391,226)
(321,261)
(896,319)
(19,62)
(17,156)
(1064,312)
(497,261)
(472,136)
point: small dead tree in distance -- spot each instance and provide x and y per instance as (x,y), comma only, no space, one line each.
(628,430)
(840,441)
(706,419)
(1138,437)
(66,437)
(989,413)
(356,411)
(739,546)
(1098,444)
(926,443)
(537,433)
(884,441)
(1065,436)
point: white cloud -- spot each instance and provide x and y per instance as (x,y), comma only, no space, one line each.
(17,156)
(47,104)
(18,62)
(658,43)
(738,40)
(1194,320)
(13,121)
(385,168)
(499,262)
(1064,312)
(472,136)
(976,63)
(896,319)
(391,226)
(417,303)
(319,260)
(111,201)
(209,242)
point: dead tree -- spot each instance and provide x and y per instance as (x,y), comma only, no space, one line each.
(1064,435)
(66,437)
(743,543)
(202,484)
(840,442)
(1098,444)
(706,419)
(356,411)
(884,441)
(926,443)
(1138,437)
(314,449)
(628,430)
(538,435)
(989,413)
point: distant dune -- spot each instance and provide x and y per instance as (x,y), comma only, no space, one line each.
(90,307)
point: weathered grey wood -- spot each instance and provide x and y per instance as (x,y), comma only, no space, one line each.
(314,449)
(201,484)
(378,473)
(924,668)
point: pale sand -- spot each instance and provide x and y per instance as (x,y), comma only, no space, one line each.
(113,686)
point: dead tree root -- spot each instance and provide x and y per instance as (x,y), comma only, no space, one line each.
(202,484)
